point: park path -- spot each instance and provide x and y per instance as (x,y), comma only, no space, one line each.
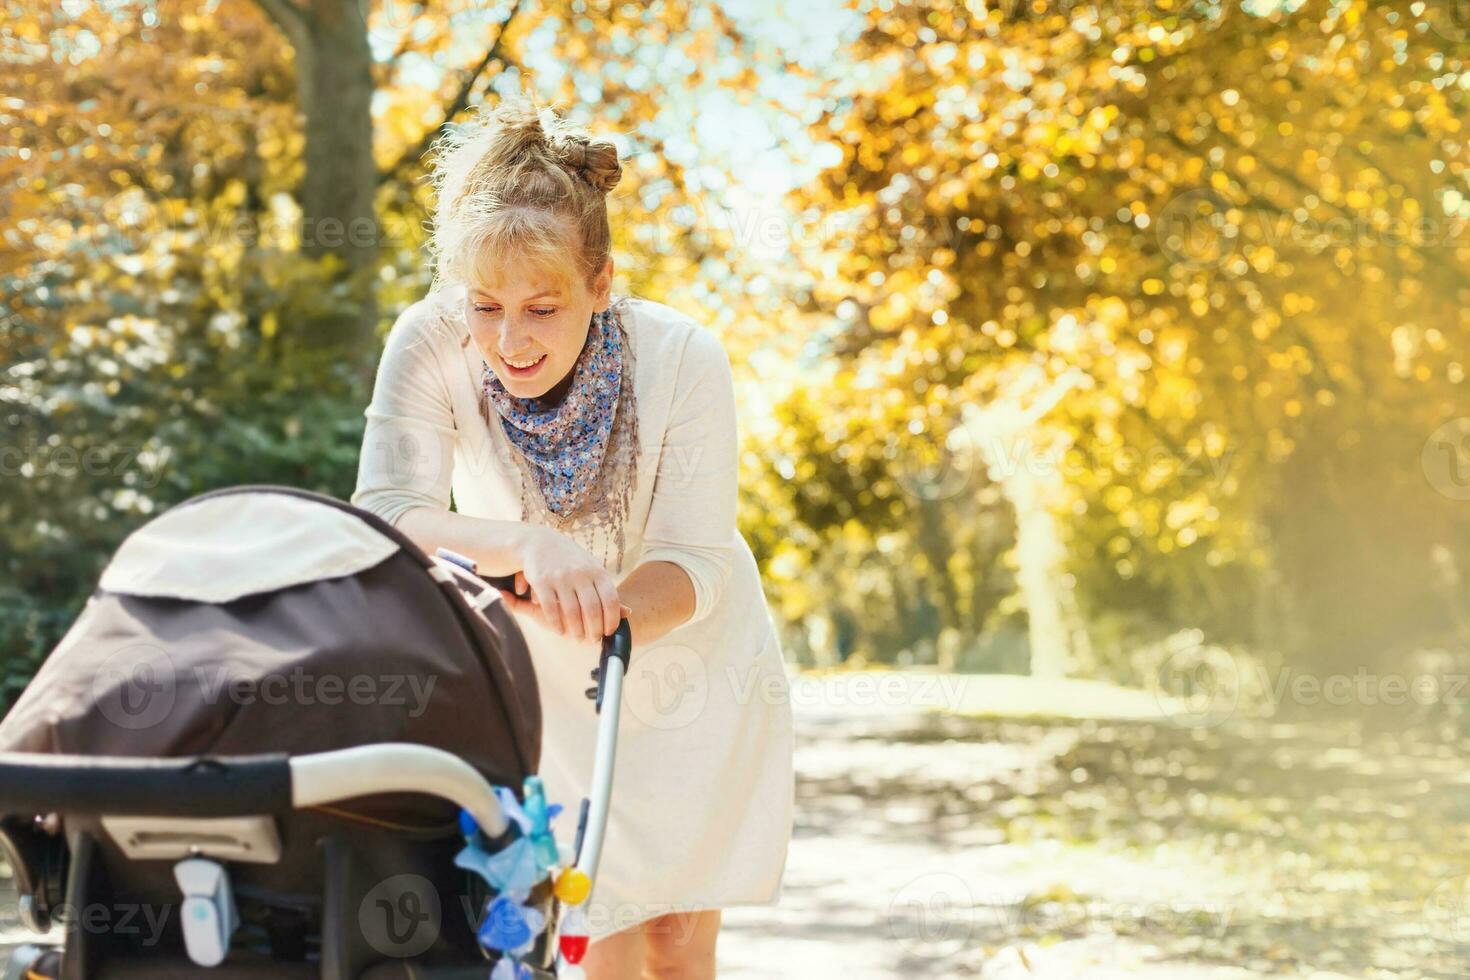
(1077,831)
(1002,828)
(894,871)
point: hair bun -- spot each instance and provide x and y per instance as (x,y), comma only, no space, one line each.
(595,160)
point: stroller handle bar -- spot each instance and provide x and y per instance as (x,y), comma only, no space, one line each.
(330,777)
(239,786)
(85,785)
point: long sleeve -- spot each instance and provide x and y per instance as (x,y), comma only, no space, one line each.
(691,520)
(408,447)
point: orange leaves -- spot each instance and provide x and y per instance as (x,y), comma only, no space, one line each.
(1223,238)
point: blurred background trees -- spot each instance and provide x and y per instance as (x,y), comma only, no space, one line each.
(1061,327)
(1213,258)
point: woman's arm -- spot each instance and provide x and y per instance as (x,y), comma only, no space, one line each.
(659,596)
(690,538)
(496,547)
(407,457)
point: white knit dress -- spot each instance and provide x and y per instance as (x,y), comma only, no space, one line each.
(703,790)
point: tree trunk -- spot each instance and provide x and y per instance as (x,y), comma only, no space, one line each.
(335,87)
(1058,639)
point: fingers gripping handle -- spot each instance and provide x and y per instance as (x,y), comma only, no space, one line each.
(617,646)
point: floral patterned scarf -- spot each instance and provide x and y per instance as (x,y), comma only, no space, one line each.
(577,453)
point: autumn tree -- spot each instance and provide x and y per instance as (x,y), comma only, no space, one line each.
(1235,235)
(168,323)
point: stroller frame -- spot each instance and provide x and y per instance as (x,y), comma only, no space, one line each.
(216,806)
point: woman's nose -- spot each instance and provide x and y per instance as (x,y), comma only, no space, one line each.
(513,338)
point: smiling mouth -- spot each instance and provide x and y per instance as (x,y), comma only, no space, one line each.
(519,367)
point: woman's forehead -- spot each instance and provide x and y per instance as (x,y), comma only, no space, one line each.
(512,289)
(520,283)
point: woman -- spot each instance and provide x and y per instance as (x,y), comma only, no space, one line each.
(589,442)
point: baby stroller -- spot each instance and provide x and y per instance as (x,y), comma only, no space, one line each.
(265,747)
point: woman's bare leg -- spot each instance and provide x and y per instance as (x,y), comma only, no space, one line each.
(616,957)
(681,946)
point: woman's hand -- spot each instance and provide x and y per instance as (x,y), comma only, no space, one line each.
(569,590)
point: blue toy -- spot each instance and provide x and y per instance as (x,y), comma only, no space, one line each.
(511,927)
(534,820)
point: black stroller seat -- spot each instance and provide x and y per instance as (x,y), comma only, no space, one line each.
(262,731)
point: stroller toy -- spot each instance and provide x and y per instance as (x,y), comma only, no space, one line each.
(304,748)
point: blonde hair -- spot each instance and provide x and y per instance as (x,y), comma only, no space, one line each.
(520,182)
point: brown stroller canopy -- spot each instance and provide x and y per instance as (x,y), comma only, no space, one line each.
(266,619)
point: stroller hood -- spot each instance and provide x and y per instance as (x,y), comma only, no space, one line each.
(267,619)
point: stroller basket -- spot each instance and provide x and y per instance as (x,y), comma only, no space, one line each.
(220,850)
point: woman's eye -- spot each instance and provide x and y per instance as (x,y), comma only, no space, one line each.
(543,311)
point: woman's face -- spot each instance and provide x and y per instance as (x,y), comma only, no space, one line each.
(531,330)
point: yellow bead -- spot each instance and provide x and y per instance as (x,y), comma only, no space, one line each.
(572,886)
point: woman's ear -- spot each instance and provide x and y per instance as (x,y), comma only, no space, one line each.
(602,290)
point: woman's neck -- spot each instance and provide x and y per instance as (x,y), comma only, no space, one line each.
(557,393)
